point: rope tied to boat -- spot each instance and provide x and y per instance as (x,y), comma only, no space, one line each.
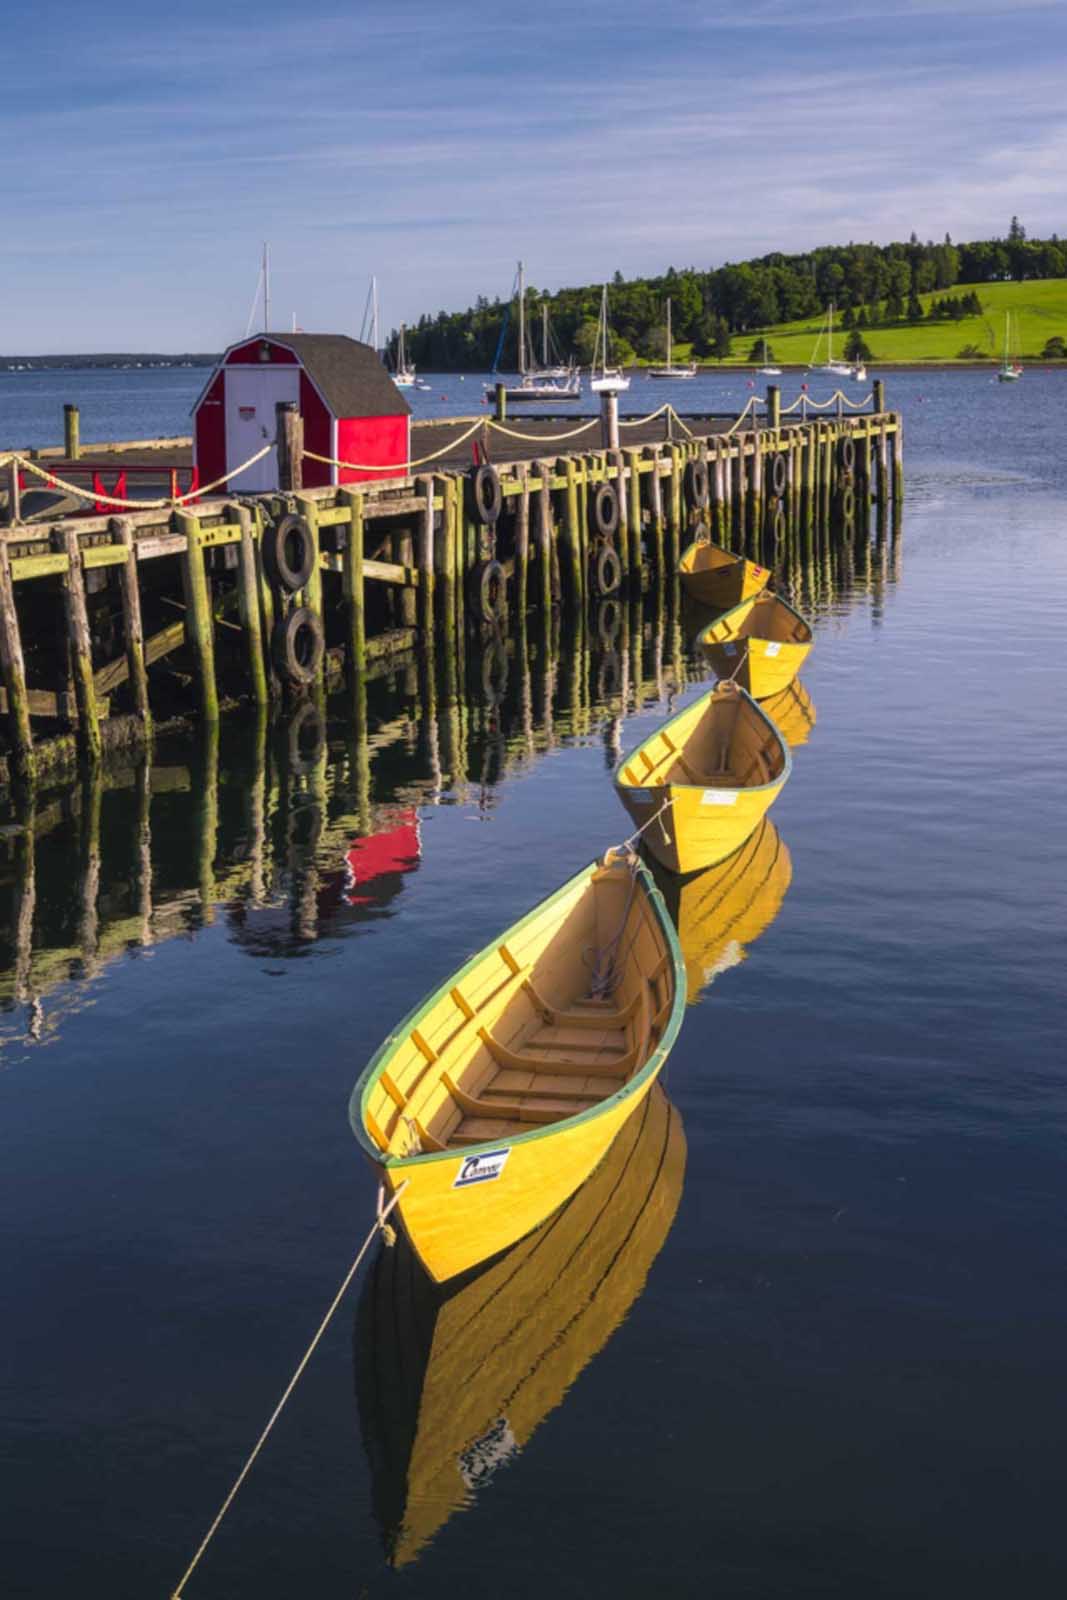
(380,1225)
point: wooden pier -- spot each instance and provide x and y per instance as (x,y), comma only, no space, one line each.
(109,622)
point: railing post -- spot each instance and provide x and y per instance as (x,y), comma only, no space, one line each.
(878,395)
(71,432)
(774,406)
(81,654)
(609,421)
(501,406)
(289,440)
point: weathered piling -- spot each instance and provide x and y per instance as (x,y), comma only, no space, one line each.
(14,673)
(248,599)
(80,643)
(352,584)
(71,432)
(199,621)
(132,626)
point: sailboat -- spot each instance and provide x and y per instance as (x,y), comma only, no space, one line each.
(551,365)
(404,376)
(840,369)
(534,384)
(670,369)
(766,370)
(606,380)
(1010,368)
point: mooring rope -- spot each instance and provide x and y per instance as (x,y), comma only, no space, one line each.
(135,505)
(401,468)
(379,1224)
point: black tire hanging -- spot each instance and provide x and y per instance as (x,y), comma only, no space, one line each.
(297,646)
(307,739)
(848,453)
(289,553)
(608,623)
(605,509)
(779,475)
(696,484)
(848,502)
(607,571)
(489,592)
(486,493)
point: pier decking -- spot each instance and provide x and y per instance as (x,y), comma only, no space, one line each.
(270,597)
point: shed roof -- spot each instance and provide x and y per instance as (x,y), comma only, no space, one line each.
(349,375)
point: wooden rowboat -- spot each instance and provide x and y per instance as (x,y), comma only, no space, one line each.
(792,712)
(720,912)
(761,643)
(496,1098)
(717,578)
(452,1380)
(711,772)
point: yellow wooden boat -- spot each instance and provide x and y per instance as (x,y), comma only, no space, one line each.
(710,773)
(761,643)
(720,912)
(716,577)
(792,712)
(453,1379)
(496,1098)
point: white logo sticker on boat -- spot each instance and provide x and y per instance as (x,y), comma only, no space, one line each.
(481,1168)
(718,797)
(641,797)
(772,649)
(729,649)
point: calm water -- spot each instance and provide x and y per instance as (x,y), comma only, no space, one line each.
(839,1371)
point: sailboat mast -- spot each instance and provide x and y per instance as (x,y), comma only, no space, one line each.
(602,333)
(375,340)
(266,287)
(830,335)
(522,323)
(670,341)
(544,334)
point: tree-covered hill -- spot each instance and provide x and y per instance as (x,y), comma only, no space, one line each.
(719,313)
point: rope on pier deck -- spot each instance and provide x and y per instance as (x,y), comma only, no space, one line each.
(379,1224)
(133,505)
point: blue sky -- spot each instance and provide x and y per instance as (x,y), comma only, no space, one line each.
(147,152)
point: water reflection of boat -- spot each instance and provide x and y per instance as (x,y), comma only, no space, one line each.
(792,712)
(702,781)
(377,857)
(721,911)
(497,1095)
(451,1382)
(762,643)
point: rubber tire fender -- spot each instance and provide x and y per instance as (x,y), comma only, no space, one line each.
(779,475)
(608,623)
(486,493)
(848,452)
(297,645)
(848,502)
(695,481)
(607,571)
(289,553)
(605,510)
(489,591)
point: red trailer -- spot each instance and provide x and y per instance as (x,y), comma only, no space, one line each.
(352,411)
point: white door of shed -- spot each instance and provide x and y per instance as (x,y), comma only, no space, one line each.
(251,396)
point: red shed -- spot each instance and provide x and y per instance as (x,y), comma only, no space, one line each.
(352,410)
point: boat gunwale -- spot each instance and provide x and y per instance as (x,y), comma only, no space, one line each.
(378,1061)
(664,727)
(716,622)
(695,544)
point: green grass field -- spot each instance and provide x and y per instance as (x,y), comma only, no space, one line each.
(1039,310)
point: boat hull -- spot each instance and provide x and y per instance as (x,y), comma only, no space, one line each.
(470,1189)
(761,644)
(692,824)
(717,578)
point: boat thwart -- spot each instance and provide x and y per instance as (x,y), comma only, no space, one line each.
(716,577)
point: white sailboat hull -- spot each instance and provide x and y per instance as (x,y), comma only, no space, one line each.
(610,383)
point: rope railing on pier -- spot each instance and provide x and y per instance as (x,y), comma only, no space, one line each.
(95,495)
(403,468)
(543,438)
(805,403)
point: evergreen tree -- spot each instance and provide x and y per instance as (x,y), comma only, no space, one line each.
(857,348)
(1016,233)
(723,347)
(915,308)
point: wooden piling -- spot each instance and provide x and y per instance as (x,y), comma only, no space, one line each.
(133,630)
(352,587)
(544,532)
(289,443)
(622,538)
(898,460)
(655,502)
(13,668)
(425,562)
(81,650)
(501,405)
(14,494)
(248,604)
(676,517)
(199,621)
(522,544)
(71,432)
(574,534)
(311,596)
(634,519)
(756,513)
